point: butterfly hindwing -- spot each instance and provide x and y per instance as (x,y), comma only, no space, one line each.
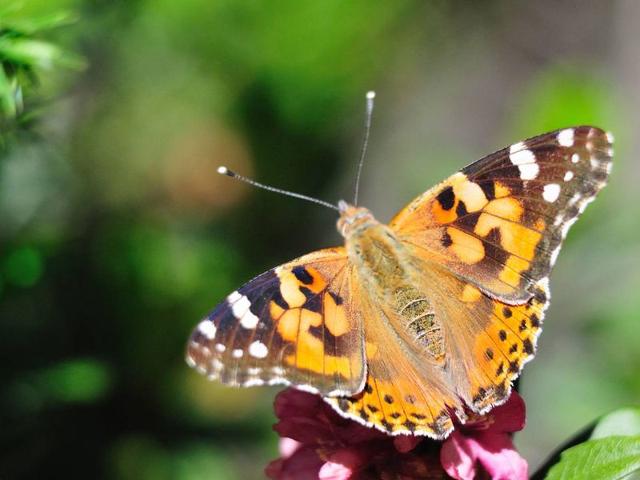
(404,393)
(296,324)
(499,223)
(487,341)
(485,346)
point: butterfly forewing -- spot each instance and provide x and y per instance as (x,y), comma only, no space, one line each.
(499,223)
(297,324)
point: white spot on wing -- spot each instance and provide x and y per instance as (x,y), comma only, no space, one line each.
(217,365)
(240,306)
(237,353)
(233,297)
(249,320)
(529,171)
(516,147)
(207,328)
(565,137)
(568,176)
(551,192)
(220,348)
(526,163)
(258,349)
(522,156)
(575,158)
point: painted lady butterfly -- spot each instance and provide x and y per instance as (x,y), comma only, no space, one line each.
(408,322)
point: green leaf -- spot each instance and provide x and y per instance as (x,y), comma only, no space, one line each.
(30,53)
(32,26)
(625,421)
(603,459)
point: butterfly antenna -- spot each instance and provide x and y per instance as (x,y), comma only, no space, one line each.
(365,141)
(229,173)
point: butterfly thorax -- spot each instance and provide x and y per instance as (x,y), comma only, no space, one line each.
(390,277)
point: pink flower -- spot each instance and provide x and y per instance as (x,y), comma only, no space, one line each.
(317,443)
(486,440)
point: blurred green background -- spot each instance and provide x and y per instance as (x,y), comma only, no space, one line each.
(117,236)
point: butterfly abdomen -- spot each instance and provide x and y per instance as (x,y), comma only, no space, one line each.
(420,320)
(388,274)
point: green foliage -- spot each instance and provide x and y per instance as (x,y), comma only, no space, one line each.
(25,57)
(625,421)
(610,458)
(600,451)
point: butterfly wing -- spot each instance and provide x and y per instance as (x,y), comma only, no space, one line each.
(296,324)
(404,393)
(499,223)
(487,341)
(486,344)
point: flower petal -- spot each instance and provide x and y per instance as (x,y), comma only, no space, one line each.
(304,430)
(292,402)
(499,457)
(341,465)
(457,457)
(510,416)
(288,446)
(304,464)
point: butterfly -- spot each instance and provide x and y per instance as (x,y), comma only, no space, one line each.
(411,324)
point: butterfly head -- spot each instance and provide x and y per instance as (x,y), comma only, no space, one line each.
(352,218)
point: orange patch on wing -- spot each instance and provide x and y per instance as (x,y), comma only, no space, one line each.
(467,248)
(441,215)
(371,350)
(501,190)
(470,293)
(294,326)
(514,237)
(511,273)
(520,240)
(275,310)
(507,208)
(335,317)
(318,283)
(289,325)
